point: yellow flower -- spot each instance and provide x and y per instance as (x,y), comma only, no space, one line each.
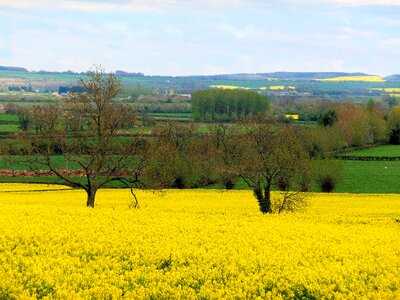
(193,244)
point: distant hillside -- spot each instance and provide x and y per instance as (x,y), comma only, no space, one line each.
(395,77)
(242,76)
(308,75)
(239,76)
(19,69)
(279,75)
(300,83)
(123,73)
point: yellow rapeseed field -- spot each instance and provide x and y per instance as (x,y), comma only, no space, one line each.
(195,244)
(392,90)
(229,87)
(387,90)
(264,88)
(273,88)
(370,78)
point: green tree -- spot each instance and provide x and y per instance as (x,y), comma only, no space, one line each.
(353,122)
(394,124)
(327,174)
(328,117)
(226,105)
(23,119)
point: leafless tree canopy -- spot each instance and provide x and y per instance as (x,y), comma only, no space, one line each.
(84,131)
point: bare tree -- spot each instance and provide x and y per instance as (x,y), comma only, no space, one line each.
(84,131)
(226,140)
(170,158)
(272,156)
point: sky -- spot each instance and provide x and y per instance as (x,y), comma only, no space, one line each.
(202,37)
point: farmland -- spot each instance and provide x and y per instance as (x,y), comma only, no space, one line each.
(358,176)
(264,88)
(370,78)
(195,244)
(199,150)
(370,177)
(386,150)
(304,82)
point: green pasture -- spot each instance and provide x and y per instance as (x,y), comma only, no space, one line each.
(201,82)
(385,150)
(379,177)
(172,115)
(9,128)
(27,104)
(358,176)
(9,119)
(16,162)
(370,177)
(71,78)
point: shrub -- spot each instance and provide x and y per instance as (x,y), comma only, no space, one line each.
(327,174)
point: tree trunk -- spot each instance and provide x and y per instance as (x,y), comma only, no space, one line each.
(264,199)
(91,194)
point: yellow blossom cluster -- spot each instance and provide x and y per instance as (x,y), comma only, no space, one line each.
(368,78)
(393,92)
(195,244)
(273,88)
(387,90)
(229,87)
(264,88)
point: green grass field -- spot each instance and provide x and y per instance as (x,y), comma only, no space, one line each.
(172,115)
(8,118)
(9,128)
(358,176)
(370,177)
(18,163)
(9,123)
(379,177)
(386,150)
(201,82)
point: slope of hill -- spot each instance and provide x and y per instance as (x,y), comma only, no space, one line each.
(395,77)
(18,69)
(308,75)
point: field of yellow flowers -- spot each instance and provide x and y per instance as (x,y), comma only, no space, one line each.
(368,78)
(195,244)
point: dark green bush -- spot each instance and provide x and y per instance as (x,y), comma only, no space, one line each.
(327,174)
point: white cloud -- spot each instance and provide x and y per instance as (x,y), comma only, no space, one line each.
(174,32)
(238,33)
(358,33)
(345,2)
(162,5)
(89,6)
(124,5)
(368,2)
(390,21)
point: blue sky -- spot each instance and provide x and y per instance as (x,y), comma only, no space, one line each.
(193,37)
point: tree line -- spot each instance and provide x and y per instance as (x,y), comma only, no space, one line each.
(227,105)
(265,154)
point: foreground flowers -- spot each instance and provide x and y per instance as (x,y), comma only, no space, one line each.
(196,244)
